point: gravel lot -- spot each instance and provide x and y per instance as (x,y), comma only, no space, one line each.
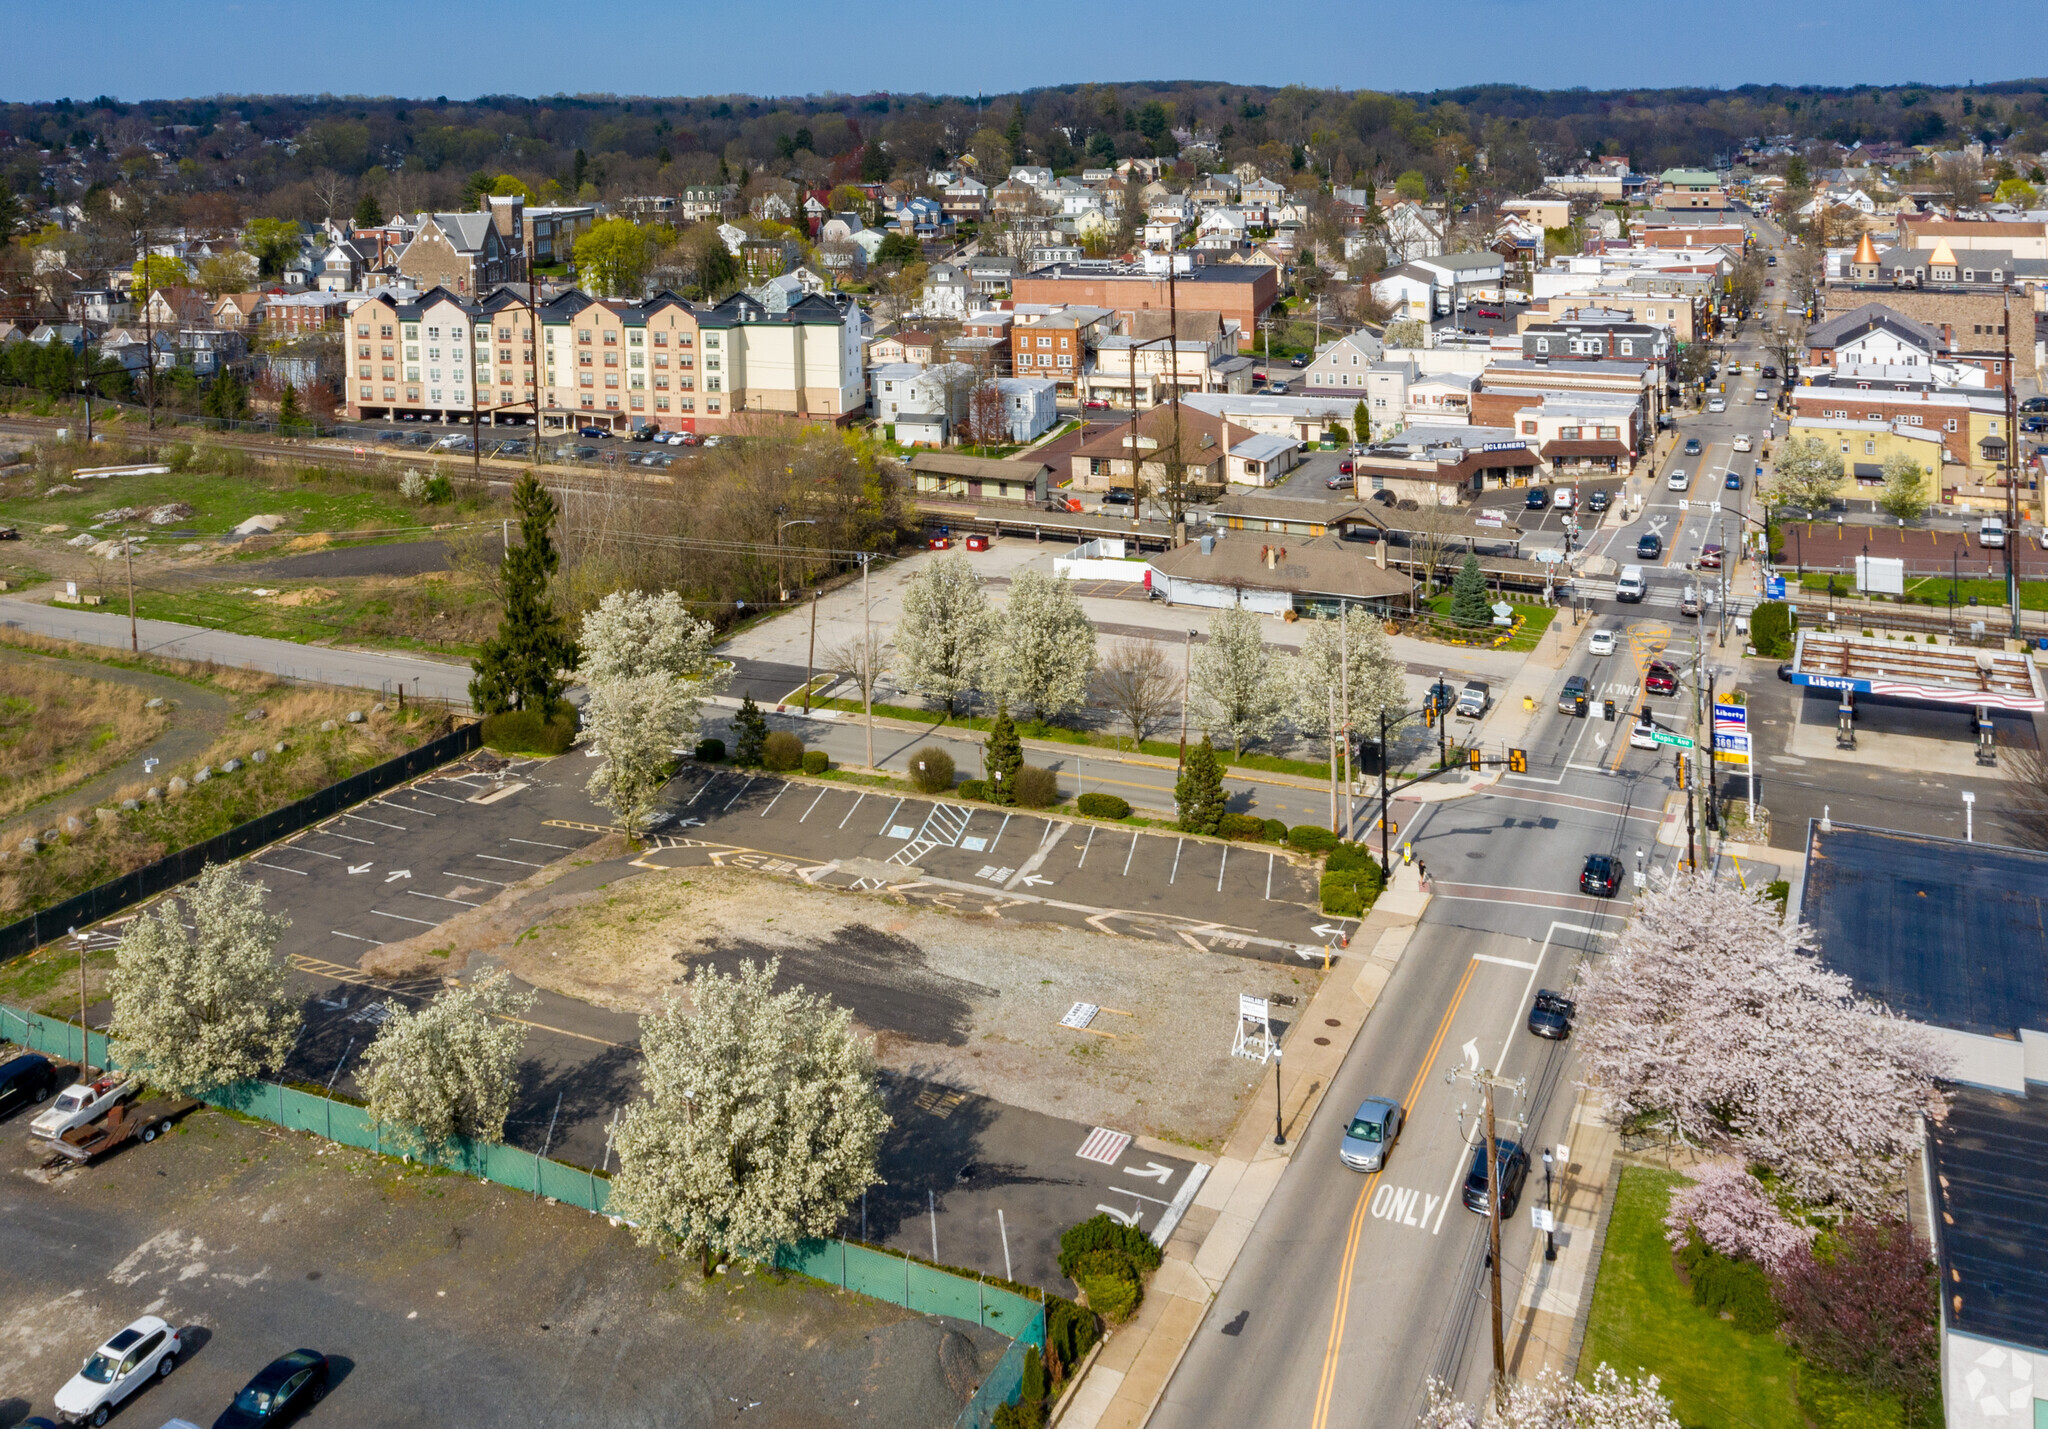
(441,1299)
(972,1003)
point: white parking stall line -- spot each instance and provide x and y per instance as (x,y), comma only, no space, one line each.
(891,820)
(1086,846)
(407,808)
(278,867)
(432,795)
(777,799)
(736,797)
(815,802)
(1178,845)
(475,878)
(1132,854)
(704,789)
(361,818)
(423,922)
(354,938)
(330,833)
(536,843)
(1269,878)
(520,861)
(415,893)
(1222,864)
(999,833)
(856,805)
(297,847)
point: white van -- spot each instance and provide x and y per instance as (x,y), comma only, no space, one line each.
(1991,532)
(1631,586)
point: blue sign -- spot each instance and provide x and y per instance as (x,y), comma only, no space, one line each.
(1774,588)
(1830,682)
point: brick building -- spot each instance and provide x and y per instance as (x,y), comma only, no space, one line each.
(1234,292)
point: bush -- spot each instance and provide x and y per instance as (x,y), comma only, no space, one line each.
(1110,1282)
(710,751)
(1351,858)
(973,789)
(1100,1232)
(1349,893)
(527,732)
(1104,806)
(1833,1402)
(1311,838)
(931,770)
(1770,629)
(1722,1283)
(1276,831)
(1037,788)
(816,761)
(1240,826)
(1070,1332)
(781,752)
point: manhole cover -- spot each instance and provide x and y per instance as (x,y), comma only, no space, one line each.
(1331,1022)
(1322,1041)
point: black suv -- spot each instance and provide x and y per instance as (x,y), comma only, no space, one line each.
(1601,876)
(1650,547)
(1551,1016)
(25,1080)
(1597,500)
(1514,1170)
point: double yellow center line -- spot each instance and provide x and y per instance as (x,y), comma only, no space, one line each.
(1348,1265)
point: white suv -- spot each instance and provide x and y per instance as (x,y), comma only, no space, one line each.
(1677,481)
(1991,532)
(146,1350)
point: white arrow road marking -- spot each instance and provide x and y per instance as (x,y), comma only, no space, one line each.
(1129,1218)
(1153,1172)
(1471,1050)
(1324,930)
(359,867)
(397,874)
(1033,880)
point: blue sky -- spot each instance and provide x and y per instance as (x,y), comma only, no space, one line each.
(461,48)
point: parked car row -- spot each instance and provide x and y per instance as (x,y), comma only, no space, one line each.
(147,1350)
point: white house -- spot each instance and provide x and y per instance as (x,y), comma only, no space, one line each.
(1030,406)
(924,404)
(947,293)
(1406,292)
(1341,367)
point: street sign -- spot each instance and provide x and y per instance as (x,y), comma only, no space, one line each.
(1675,741)
(1774,588)
(1730,716)
(1542,1219)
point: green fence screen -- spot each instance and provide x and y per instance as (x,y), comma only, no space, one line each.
(877,1274)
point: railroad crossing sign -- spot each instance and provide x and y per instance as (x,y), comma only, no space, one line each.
(1676,741)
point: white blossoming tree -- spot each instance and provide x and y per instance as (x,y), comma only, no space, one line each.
(1375,674)
(944,636)
(632,633)
(761,1122)
(1730,1210)
(1047,647)
(1554,1401)
(639,722)
(450,1068)
(1236,686)
(1711,1023)
(205,1009)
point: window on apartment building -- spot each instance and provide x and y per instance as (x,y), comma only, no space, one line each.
(390,394)
(611,338)
(1845,446)
(683,339)
(1528,429)
(611,359)
(1870,448)
(434,394)
(712,384)
(583,334)
(433,334)
(584,379)
(1543,344)
(686,404)
(390,374)
(710,339)
(634,339)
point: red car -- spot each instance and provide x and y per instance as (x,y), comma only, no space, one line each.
(1344,467)
(939,543)
(1491,313)
(1710,558)
(977,543)
(1095,406)
(1660,679)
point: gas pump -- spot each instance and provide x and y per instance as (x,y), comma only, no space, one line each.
(1845,721)
(1987,752)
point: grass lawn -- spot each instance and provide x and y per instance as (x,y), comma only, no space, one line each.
(1060,734)
(1935,590)
(1643,1318)
(1532,620)
(435,612)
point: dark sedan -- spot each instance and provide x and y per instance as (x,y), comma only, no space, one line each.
(1514,1170)
(1551,1015)
(1692,446)
(1601,876)
(283,1390)
(1650,547)
(1538,499)
(1597,500)
(26,1081)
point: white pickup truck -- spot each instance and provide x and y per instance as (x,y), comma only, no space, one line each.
(81,1103)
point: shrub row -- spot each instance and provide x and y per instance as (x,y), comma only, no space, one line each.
(931,772)
(781,752)
(1103,806)
(1722,1284)
(1352,881)
(530,732)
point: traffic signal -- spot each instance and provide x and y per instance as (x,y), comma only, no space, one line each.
(1429,714)
(1473,756)
(1682,772)
(1393,827)
(1518,761)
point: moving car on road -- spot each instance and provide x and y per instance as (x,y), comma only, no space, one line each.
(1643,735)
(1692,446)
(1572,698)
(281,1391)
(1717,405)
(1601,876)
(1514,1170)
(1710,557)
(1676,480)
(1600,642)
(1660,679)
(1374,1128)
(1631,586)
(144,1351)
(1649,546)
(1551,1015)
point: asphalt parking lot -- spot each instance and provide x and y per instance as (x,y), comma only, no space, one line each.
(431,1298)
(993,1185)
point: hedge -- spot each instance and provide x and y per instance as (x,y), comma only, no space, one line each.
(1241,826)
(931,770)
(973,789)
(1104,806)
(1099,1231)
(526,732)
(1722,1284)
(1770,629)
(1311,838)
(1276,831)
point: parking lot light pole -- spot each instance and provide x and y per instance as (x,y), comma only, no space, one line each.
(1279,1132)
(1549,1231)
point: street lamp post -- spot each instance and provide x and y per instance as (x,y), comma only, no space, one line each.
(1279,1132)
(1549,1209)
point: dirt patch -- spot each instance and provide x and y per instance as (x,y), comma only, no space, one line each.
(974,1003)
(308,595)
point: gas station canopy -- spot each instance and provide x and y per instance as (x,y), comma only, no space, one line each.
(1938,674)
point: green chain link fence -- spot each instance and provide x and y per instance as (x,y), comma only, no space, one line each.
(877,1274)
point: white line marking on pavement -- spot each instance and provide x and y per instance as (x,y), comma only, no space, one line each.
(380,913)
(407,808)
(999,832)
(378,822)
(1269,878)
(1222,864)
(1104,1145)
(1181,1201)
(774,801)
(414,892)
(279,867)
(565,848)
(736,798)
(890,820)
(330,833)
(432,795)
(1085,847)
(704,789)
(520,861)
(1503,962)
(301,848)
(353,938)
(856,804)
(815,802)
(1179,844)
(1132,854)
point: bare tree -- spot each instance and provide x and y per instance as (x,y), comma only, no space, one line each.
(2027,791)
(1958,179)
(1139,685)
(862,659)
(983,423)
(333,192)
(1432,531)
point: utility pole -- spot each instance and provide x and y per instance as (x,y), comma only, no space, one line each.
(1344,684)
(811,660)
(128,550)
(867,655)
(1187,665)
(2012,475)
(1488,1082)
(1386,858)
(1335,734)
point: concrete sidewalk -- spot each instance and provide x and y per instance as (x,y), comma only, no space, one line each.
(1130,1373)
(1547,1324)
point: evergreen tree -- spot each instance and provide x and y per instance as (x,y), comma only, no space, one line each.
(369,212)
(1361,424)
(289,413)
(1004,756)
(1198,793)
(226,398)
(749,734)
(1469,603)
(521,666)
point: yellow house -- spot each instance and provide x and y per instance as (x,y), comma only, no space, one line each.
(1864,447)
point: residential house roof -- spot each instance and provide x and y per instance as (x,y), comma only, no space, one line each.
(977,468)
(1869,318)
